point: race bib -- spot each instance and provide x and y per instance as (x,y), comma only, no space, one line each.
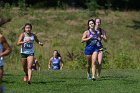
(28,45)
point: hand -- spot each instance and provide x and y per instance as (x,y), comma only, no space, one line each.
(27,40)
(102,36)
(40,43)
(90,36)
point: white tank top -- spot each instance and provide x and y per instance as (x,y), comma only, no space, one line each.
(1,58)
(27,48)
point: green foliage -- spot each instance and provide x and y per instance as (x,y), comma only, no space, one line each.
(7,6)
(61,5)
(105,59)
(11,36)
(64,4)
(73,65)
(31,11)
(38,21)
(81,57)
(5,11)
(41,4)
(76,61)
(108,5)
(92,6)
(63,29)
(123,60)
(22,6)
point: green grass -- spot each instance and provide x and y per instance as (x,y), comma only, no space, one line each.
(73,81)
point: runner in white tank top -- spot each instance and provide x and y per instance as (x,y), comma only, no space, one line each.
(26,40)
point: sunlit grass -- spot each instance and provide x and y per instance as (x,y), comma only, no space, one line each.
(74,81)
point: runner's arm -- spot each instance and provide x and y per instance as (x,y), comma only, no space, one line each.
(49,64)
(84,37)
(20,39)
(62,64)
(103,36)
(36,39)
(7,48)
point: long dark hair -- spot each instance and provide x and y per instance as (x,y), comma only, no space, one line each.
(23,28)
(89,21)
(58,54)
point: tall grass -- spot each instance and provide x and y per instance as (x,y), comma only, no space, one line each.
(63,29)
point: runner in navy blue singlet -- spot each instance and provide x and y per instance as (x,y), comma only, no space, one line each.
(56,62)
(91,50)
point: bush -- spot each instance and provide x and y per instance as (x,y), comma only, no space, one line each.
(105,58)
(92,6)
(123,60)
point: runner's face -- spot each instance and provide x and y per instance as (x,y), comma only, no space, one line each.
(27,29)
(91,24)
(98,22)
(55,53)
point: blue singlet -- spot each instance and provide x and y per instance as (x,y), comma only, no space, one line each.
(55,63)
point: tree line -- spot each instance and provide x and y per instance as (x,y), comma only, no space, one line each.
(101,4)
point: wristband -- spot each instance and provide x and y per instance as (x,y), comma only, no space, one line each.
(39,43)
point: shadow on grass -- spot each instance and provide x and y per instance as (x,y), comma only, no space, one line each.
(47,82)
(74,78)
(114,77)
(12,75)
(121,79)
(136,25)
(10,82)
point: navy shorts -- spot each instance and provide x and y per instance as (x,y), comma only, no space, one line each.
(26,55)
(1,67)
(90,49)
(100,46)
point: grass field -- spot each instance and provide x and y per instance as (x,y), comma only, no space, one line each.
(74,81)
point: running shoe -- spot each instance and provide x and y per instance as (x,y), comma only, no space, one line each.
(93,79)
(89,77)
(25,78)
(29,82)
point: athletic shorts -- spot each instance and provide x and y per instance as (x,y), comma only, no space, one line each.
(1,67)
(26,55)
(100,46)
(1,62)
(90,49)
